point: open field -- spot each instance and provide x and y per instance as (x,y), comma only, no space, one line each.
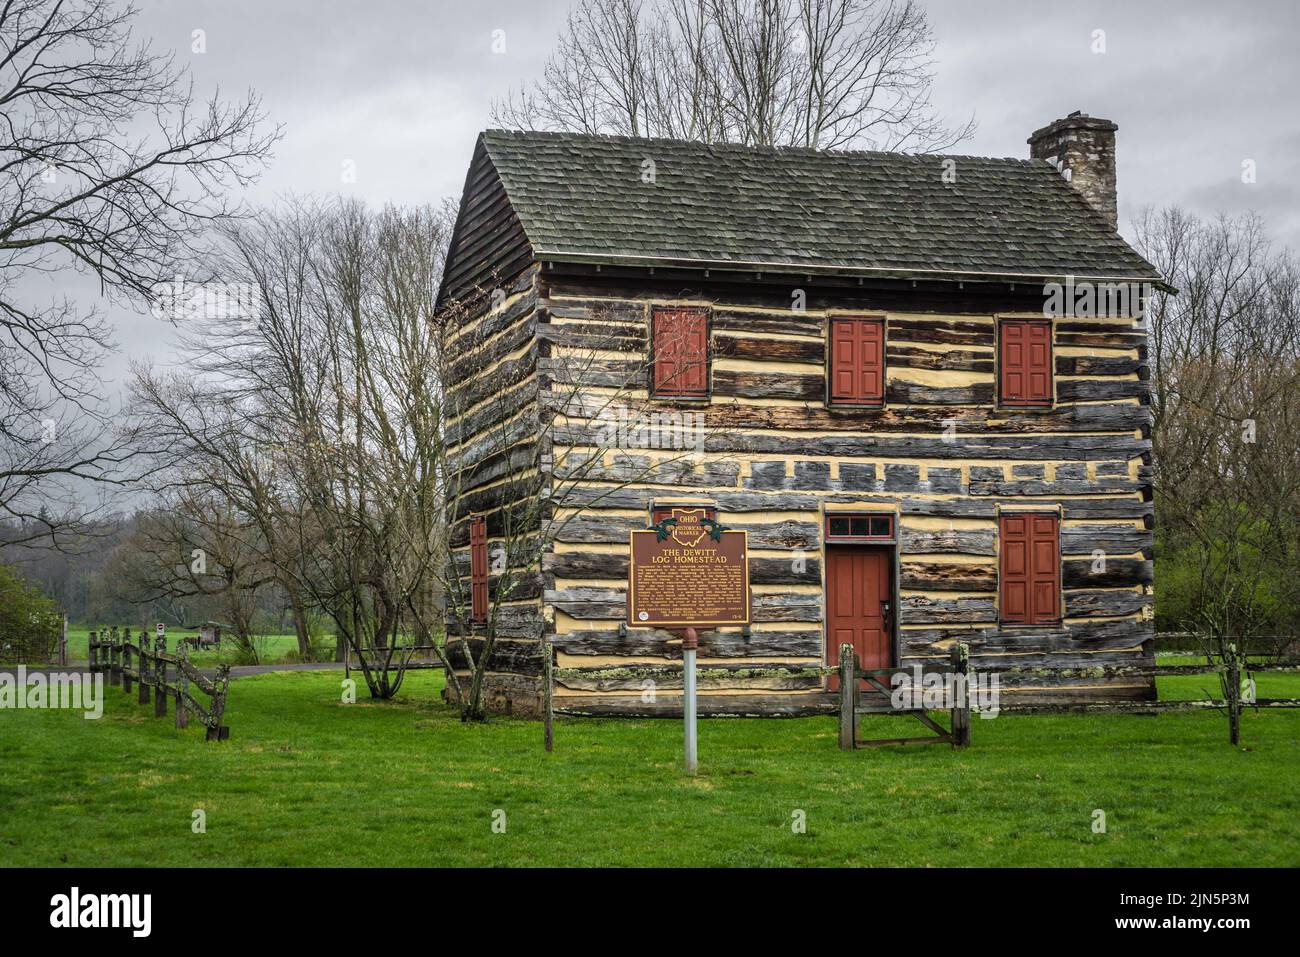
(306,779)
(274,649)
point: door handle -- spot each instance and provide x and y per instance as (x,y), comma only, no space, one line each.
(884,610)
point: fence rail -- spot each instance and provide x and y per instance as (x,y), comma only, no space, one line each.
(411,663)
(127,664)
(1231,669)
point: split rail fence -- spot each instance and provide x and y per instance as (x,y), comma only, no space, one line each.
(146,665)
(1232,668)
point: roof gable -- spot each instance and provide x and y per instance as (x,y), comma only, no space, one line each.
(488,244)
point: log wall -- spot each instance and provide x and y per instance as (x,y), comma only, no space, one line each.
(940,455)
(493,436)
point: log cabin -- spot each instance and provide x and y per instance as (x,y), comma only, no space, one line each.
(910,379)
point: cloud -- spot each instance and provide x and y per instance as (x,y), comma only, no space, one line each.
(403,86)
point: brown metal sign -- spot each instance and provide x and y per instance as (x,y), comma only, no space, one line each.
(688,572)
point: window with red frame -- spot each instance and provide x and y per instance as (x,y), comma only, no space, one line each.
(680,344)
(478,568)
(1030,568)
(1025,361)
(859,527)
(857,361)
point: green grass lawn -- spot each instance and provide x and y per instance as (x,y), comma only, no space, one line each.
(305,779)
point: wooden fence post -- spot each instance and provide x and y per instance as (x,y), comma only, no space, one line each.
(1233,690)
(182,688)
(114,659)
(961,706)
(126,661)
(548,686)
(63,644)
(222,680)
(159,678)
(848,684)
(92,651)
(146,677)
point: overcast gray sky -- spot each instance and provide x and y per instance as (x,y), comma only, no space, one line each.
(401,87)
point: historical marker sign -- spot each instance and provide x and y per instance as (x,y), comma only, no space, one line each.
(688,572)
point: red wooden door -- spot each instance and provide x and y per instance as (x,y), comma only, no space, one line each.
(857,590)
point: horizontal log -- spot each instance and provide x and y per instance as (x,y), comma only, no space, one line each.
(593,528)
(1115,539)
(720,705)
(1104,603)
(954,541)
(513,621)
(1081,573)
(972,420)
(655,642)
(923,610)
(961,446)
(943,576)
(769,385)
(902,392)
(996,639)
(753,501)
(1096,365)
(1059,487)
(983,661)
(1099,390)
(805,350)
(669,678)
(942,331)
(614,312)
(959,360)
(517,657)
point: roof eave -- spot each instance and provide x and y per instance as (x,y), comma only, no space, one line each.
(839,270)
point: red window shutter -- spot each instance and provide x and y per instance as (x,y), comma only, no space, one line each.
(1045,590)
(1015,569)
(478,568)
(1030,569)
(1026,362)
(857,361)
(681,352)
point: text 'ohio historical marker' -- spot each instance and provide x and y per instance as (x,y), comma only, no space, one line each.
(688,572)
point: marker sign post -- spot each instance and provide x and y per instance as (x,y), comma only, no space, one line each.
(688,573)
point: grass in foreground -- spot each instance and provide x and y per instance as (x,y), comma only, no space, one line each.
(307,780)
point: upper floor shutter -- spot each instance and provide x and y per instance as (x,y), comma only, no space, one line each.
(1025,360)
(857,361)
(681,352)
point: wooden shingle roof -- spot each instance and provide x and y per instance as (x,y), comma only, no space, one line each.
(651,202)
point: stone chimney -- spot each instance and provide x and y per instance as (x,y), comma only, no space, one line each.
(1082,147)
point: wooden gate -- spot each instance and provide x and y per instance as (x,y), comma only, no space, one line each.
(877,700)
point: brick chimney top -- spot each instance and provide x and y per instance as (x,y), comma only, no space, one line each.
(1082,147)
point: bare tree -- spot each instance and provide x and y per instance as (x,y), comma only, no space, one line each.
(1225,359)
(109,166)
(193,546)
(315,419)
(814,73)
